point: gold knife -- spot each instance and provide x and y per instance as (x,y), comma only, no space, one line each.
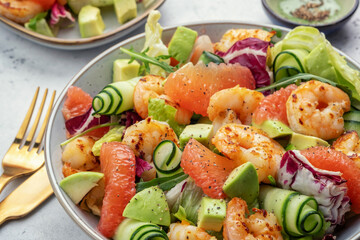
(26,197)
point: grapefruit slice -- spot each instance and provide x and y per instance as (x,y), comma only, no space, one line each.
(208,169)
(332,160)
(77,103)
(118,165)
(273,107)
(192,85)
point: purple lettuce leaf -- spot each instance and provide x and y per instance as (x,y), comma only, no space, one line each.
(142,166)
(58,12)
(251,53)
(327,187)
(129,118)
(83,122)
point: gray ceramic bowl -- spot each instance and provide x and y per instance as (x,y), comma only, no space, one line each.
(276,13)
(98,73)
(69,39)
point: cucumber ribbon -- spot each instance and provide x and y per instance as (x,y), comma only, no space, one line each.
(298,214)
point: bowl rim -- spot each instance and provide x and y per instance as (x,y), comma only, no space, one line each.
(293,23)
(80,43)
(49,166)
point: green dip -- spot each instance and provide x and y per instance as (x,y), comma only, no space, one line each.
(288,7)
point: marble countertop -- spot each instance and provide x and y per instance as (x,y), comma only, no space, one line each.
(24,65)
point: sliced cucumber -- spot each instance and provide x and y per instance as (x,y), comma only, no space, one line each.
(131,229)
(352,121)
(298,214)
(167,157)
(115,98)
(352,116)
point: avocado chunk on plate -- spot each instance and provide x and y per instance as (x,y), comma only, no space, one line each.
(202,132)
(123,70)
(182,43)
(300,141)
(243,182)
(149,205)
(77,185)
(125,10)
(274,128)
(212,213)
(90,22)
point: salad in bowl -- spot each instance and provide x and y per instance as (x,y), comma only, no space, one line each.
(252,136)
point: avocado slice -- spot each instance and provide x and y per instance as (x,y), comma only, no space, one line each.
(201,132)
(41,27)
(212,213)
(243,182)
(125,10)
(149,205)
(181,44)
(90,21)
(300,141)
(274,128)
(123,70)
(79,184)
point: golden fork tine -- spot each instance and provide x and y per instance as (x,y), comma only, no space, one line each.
(25,123)
(46,119)
(37,119)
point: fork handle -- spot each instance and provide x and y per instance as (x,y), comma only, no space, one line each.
(4,180)
(25,198)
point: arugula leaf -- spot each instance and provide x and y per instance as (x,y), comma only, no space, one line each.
(146,60)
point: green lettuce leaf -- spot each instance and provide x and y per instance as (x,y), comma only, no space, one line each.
(114,134)
(153,43)
(165,113)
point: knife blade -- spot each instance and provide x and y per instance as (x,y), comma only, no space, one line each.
(26,197)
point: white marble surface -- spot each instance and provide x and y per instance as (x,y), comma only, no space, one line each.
(24,65)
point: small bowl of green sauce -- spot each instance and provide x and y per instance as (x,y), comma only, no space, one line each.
(326,15)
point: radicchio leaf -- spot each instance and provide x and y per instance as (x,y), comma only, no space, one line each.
(142,166)
(251,53)
(328,188)
(59,12)
(83,122)
(129,118)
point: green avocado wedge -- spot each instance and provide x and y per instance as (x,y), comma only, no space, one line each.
(79,184)
(212,214)
(301,142)
(274,128)
(243,182)
(149,205)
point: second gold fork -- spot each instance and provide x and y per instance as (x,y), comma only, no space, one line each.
(23,158)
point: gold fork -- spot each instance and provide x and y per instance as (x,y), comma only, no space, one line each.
(25,158)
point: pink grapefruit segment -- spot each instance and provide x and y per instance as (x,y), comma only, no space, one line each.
(332,160)
(208,169)
(192,85)
(118,165)
(273,107)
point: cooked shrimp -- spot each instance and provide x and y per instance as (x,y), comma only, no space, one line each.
(316,109)
(349,144)
(242,101)
(234,35)
(185,231)
(182,115)
(148,87)
(144,136)
(260,225)
(78,156)
(21,11)
(243,143)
